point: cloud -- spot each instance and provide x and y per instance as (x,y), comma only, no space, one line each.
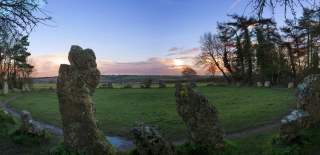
(174,51)
(47,65)
(185,58)
(152,66)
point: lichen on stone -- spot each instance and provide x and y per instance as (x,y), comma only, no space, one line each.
(150,142)
(200,117)
(76,84)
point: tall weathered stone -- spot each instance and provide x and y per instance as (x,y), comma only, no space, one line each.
(308,96)
(25,87)
(5,89)
(109,85)
(162,84)
(76,84)
(267,84)
(291,124)
(29,126)
(291,85)
(307,112)
(149,142)
(200,117)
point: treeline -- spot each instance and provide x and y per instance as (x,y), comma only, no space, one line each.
(17,19)
(14,67)
(249,49)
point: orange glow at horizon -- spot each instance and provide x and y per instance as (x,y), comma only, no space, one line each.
(48,65)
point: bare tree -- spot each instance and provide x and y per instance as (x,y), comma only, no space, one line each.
(188,72)
(291,5)
(212,53)
(20,16)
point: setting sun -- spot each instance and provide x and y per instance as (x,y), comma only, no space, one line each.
(178,62)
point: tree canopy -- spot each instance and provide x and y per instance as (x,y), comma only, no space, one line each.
(248,49)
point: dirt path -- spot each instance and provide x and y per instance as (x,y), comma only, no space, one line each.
(122,143)
(263,128)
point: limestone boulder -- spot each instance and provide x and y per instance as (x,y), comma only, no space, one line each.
(75,86)
(162,84)
(200,117)
(308,97)
(291,124)
(109,85)
(290,85)
(29,126)
(149,142)
(267,84)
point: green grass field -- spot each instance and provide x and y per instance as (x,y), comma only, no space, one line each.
(119,109)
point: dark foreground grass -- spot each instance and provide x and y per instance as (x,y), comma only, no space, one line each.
(118,109)
(268,144)
(10,147)
(13,142)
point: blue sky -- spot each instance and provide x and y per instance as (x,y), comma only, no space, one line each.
(127,31)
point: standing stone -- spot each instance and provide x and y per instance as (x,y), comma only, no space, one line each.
(29,126)
(109,85)
(290,85)
(25,87)
(128,85)
(291,124)
(238,84)
(162,84)
(259,84)
(76,84)
(149,142)
(267,84)
(26,120)
(308,96)
(200,117)
(16,90)
(307,112)
(5,85)
(28,88)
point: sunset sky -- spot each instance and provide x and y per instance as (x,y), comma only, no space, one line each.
(128,36)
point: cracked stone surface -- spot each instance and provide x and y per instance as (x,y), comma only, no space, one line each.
(149,141)
(307,112)
(200,117)
(76,84)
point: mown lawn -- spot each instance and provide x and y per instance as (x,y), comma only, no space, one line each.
(119,109)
